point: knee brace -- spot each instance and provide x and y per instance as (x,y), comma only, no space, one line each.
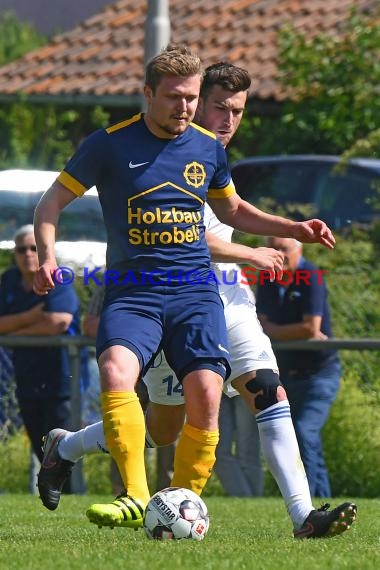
(266,381)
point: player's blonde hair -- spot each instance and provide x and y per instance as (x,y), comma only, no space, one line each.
(176,59)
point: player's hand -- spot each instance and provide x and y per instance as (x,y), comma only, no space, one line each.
(44,278)
(314,231)
(268,259)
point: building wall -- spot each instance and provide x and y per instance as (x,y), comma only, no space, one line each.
(53,16)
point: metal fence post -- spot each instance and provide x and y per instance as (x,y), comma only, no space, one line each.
(77,480)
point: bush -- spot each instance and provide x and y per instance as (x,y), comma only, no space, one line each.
(15,463)
(352,441)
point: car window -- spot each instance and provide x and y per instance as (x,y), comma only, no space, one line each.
(346,196)
(17,209)
(283,182)
(80,220)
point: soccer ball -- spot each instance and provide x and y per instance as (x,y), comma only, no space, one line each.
(175,513)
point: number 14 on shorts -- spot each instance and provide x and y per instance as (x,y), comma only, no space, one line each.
(173,386)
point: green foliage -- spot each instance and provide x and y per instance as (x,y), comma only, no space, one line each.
(16,38)
(375,237)
(38,135)
(333,80)
(14,471)
(43,136)
(5,259)
(352,438)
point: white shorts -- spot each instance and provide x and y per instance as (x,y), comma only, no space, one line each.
(250,348)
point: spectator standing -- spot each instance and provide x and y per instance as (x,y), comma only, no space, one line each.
(297,309)
(42,374)
(238,453)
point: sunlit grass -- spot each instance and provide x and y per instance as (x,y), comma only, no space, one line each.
(254,534)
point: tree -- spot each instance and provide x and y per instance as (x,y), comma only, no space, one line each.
(26,129)
(333,84)
(16,38)
(335,80)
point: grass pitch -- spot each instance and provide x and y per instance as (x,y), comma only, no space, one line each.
(252,534)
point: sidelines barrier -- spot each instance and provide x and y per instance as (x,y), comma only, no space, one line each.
(74,345)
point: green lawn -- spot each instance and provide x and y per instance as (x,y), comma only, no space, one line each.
(252,534)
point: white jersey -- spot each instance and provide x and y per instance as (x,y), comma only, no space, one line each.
(250,349)
(226,273)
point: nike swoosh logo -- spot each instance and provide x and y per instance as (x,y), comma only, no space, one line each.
(132,165)
(222,348)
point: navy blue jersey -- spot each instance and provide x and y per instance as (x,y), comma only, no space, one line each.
(287,305)
(152,192)
(41,371)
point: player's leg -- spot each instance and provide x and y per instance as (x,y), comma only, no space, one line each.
(254,376)
(63,448)
(282,453)
(198,355)
(266,399)
(163,424)
(129,334)
(124,431)
(195,452)
(165,413)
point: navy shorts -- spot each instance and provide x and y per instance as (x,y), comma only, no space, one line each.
(186,322)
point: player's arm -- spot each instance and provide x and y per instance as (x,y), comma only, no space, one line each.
(49,324)
(46,218)
(241,215)
(260,257)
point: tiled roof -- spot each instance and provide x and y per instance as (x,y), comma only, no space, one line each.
(103,57)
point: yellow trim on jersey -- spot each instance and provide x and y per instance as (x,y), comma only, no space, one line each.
(123,124)
(226,192)
(167,183)
(204,131)
(71,184)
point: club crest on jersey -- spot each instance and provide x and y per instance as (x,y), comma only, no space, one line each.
(195,174)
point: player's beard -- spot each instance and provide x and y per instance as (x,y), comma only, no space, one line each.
(175,130)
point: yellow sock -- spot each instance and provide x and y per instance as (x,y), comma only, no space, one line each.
(124,430)
(194,458)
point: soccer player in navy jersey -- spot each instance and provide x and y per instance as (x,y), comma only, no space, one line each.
(154,173)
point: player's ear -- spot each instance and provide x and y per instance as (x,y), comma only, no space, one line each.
(148,92)
(199,111)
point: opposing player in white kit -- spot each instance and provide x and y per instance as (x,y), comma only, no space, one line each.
(254,372)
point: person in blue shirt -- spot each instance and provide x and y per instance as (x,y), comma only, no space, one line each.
(42,374)
(296,308)
(154,172)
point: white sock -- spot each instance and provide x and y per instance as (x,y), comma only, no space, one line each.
(75,444)
(280,448)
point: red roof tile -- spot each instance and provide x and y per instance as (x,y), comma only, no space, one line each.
(103,56)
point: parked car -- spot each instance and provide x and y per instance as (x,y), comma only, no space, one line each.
(81,239)
(339,198)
